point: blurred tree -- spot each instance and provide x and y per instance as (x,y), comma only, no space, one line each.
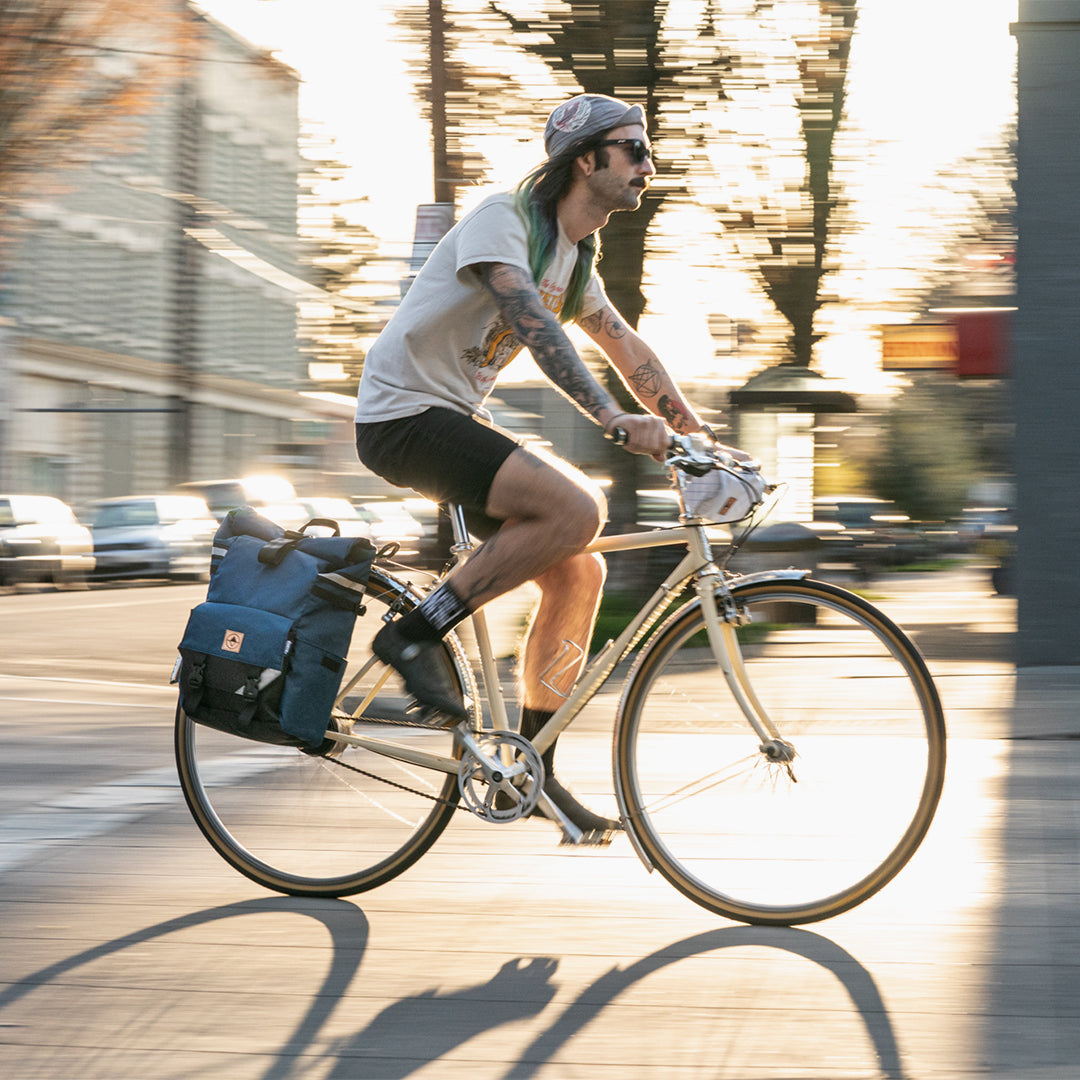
(337,253)
(73,76)
(794,56)
(929,467)
(453,52)
(974,231)
(671,63)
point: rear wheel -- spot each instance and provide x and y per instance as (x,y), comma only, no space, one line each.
(766,841)
(316,826)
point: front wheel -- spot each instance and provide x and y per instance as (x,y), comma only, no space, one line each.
(776,842)
(309,825)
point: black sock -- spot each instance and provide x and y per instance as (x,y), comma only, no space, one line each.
(434,616)
(532,720)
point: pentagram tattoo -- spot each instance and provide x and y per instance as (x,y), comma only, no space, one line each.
(646,379)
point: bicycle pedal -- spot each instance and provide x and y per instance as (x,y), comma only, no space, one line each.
(594,838)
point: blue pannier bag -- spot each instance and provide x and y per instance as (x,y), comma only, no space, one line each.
(263,656)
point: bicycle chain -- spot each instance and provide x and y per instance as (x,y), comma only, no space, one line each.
(456,805)
(336,760)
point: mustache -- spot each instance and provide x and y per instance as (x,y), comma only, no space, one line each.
(639,181)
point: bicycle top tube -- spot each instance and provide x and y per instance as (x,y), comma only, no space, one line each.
(691,460)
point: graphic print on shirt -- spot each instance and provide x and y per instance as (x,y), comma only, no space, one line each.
(500,345)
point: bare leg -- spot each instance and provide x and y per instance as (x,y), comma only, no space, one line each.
(569,598)
(550,515)
(550,512)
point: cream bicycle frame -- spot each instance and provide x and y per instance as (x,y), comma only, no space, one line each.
(708,581)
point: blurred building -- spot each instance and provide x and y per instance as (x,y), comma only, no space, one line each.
(150,329)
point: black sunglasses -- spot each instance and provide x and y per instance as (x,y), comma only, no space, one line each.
(638,150)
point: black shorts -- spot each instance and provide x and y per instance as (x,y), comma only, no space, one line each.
(443,454)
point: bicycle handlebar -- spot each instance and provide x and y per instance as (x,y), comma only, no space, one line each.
(690,453)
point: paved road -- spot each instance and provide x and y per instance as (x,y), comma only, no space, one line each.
(128,949)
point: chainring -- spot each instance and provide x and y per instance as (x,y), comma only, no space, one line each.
(517,779)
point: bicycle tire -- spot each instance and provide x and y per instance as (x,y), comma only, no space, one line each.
(731,830)
(303,825)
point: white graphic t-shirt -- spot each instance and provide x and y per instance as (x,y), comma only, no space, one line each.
(447,342)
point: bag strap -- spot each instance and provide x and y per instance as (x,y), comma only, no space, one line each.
(344,588)
(327,523)
(333,549)
(193,688)
(273,551)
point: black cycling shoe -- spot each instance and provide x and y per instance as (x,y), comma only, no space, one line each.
(417,663)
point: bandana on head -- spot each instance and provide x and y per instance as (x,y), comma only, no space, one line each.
(585,116)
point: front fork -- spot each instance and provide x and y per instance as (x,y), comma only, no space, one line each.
(723,617)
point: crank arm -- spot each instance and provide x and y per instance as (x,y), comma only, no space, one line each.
(571,833)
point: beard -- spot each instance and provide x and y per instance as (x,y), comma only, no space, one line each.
(615,192)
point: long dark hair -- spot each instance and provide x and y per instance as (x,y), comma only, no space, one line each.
(537,198)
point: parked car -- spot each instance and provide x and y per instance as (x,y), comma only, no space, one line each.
(289,515)
(152,536)
(42,540)
(257,491)
(390,522)
(349,519)
(876,533)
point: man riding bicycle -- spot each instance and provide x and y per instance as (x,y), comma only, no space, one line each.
(505,278)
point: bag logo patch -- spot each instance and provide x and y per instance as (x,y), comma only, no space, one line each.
(232,641)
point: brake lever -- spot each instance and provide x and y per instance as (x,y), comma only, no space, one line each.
(680,453)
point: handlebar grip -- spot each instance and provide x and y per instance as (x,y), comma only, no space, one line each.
(617,435)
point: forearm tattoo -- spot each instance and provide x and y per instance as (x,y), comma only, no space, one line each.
(606,321)
(676,416)
(539,331)
(647,379)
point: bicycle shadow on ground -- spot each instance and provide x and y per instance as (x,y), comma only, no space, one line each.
(346,924)
(855,979)
(415,1031)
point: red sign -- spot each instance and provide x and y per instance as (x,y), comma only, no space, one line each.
(982,343)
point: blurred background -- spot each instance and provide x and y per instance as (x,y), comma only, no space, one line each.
(208,212)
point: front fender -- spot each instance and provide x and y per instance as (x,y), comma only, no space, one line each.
(789,574)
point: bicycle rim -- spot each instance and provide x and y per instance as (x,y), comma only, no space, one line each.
(741,835)
(304,824)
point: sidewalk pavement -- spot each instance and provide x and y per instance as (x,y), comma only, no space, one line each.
(1014,744)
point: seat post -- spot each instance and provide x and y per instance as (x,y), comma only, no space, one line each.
(462,540)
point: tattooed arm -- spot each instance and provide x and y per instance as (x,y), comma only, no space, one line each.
(641,370)
(540,332)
